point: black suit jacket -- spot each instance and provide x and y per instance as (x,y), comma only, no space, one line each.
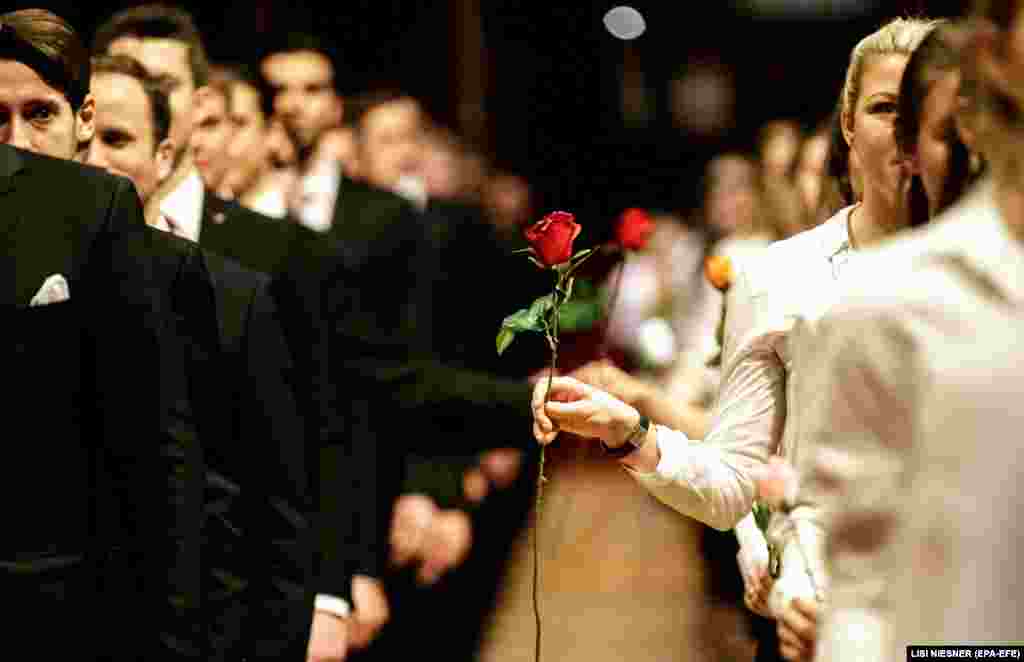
(241,550)
(295,261)
(81,498)
(266,456)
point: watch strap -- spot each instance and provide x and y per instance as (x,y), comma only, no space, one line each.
(634,441)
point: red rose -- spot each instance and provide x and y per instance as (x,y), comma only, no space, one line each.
(551,237)
(634,229)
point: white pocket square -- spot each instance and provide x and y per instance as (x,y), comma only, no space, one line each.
(54,289)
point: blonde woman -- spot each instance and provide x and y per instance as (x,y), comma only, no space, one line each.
(713,480)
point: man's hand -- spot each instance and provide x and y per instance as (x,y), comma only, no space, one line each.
(370,612)
(328,638)
(332,637)
(498,468)
(412,516)
(437,540)
(798,630)
(447,545)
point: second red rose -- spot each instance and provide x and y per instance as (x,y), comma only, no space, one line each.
(634,229)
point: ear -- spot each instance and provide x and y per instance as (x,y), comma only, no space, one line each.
(164,160)
(339,110)
(965,118)
(201,96)
(85,120)
(846,124)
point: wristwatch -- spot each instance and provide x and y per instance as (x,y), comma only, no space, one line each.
(634,442)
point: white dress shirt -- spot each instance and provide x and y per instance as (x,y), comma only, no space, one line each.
(185,205)
(318,195)
(270,202)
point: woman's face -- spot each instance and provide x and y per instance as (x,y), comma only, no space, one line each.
(869,128)
(731,197)
(810,172)
(937,128)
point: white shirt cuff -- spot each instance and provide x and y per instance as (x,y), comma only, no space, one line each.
(673,446)
(749,535)
(332,605)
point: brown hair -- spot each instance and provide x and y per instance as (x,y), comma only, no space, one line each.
(221,79)
(157,22)
(48,45)
(358,107)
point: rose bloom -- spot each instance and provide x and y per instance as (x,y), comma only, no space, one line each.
(718,270)
(634,229)
(551,237)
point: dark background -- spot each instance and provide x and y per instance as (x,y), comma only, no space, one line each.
(551,95)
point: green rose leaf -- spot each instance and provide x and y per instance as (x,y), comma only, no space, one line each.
(527,319)
(577,316)
(581,254)
(505,338)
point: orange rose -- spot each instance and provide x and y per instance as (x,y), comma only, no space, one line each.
(718,270)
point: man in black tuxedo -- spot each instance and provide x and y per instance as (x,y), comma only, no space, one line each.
(233,433)
(459,249)
(83,510)
(81,324)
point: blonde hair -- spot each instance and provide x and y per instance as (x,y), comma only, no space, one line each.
(897,37)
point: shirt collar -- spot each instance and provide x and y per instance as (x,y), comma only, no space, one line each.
(185,205)
(835,239)
(319,190)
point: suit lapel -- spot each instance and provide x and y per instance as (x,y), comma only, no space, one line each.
(354,226)
(10,164)
(206,225)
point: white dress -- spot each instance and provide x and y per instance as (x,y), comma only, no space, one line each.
(913,453)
